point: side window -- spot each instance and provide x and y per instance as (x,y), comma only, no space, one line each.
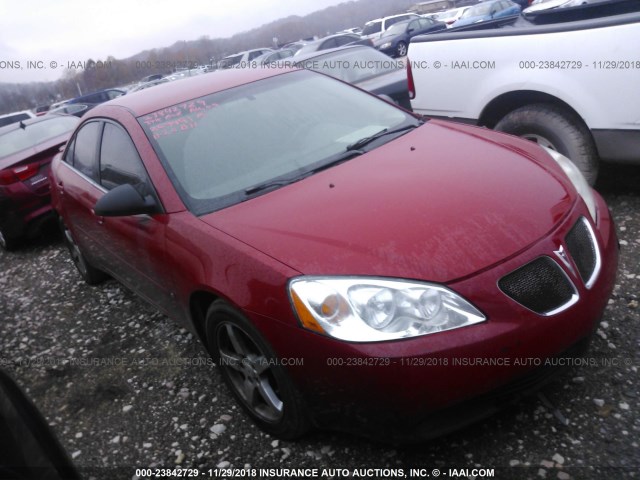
(343,41)
(256,54)
(331,43)
(414,24)
(119,161)
(85,149)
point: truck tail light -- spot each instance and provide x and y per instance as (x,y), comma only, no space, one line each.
(410,84)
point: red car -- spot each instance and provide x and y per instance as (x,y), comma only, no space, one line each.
(26,150)
(347,264)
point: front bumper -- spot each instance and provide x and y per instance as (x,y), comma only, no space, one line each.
(429,385)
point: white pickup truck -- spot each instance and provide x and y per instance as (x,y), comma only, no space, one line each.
(571,86)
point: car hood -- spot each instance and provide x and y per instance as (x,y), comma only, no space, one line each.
(436,204)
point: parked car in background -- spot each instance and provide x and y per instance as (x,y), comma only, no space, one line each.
(15,117)
(77,109)
(435,243)
(449,17)
(271,57)
(356,30)
(242,59)
(41,109)
(295,46)
(150,78)
(333,41)
(100,96)
(26,150)
(150,83)
(540,5)
(375,28)
(363,67)
(395,41)
(489,10)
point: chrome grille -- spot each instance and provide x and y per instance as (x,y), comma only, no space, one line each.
(583,248)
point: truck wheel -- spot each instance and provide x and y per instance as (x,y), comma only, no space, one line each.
(558,129)
(401,49)
(250,369)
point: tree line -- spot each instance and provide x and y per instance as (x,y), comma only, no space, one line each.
(112,72)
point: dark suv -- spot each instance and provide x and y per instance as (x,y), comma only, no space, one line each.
(100,96)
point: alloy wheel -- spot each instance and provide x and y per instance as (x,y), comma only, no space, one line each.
(250,373)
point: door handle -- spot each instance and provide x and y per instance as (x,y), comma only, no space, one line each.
(100,220)
(60,188)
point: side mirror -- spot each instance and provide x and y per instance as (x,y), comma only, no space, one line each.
(411,30)
(124,200)
(30,450)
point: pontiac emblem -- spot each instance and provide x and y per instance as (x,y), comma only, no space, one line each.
(562,255)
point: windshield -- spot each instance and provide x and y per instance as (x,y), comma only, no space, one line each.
(34,134)
(352,65)
(477,11)
(217,147)
(396,29)
(373,27)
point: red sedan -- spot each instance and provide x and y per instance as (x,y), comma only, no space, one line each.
(346,263)
(26,150)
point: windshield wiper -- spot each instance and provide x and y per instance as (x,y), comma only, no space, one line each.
(331,161)
(367,140)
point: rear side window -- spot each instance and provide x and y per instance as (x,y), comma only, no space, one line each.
(85,149)
(34,134)
(9,119)
(373,27)
(119,159)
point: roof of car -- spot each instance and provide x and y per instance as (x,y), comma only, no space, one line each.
(172,93)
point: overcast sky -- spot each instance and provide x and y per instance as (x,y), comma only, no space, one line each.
(59,31)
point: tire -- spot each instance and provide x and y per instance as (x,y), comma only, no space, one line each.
(88,272)
(248,367)
(401,49)
(7,243)
(558,129)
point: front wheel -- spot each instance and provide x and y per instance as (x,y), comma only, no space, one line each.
(401,49)
(250,369)
(7,243)
(556,128)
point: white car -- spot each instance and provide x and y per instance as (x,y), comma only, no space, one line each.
(242,59)
(375,28)
(539,5)
(448,16)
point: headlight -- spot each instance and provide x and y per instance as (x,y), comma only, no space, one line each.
(576,177)
(385,45)
(374,310)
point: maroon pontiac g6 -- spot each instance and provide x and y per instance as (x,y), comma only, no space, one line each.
(347,264)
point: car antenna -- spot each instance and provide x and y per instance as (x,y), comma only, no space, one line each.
(22,125)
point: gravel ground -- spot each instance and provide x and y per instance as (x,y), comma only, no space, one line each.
(152,409)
